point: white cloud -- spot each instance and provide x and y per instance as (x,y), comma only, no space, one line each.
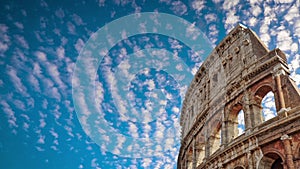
(42,123)
(19,104)
(256,10)
(292,13)
(60,13)
(133,130)
(79,45)
(191,31)
(21,41)
(294,47)
(179,8)
(77,19)
(19,25)
(54,73)
(34,82)
(17,83)
(268,104)
(60,51)
(295,63)
(198,5)
(284,40)
(252,21)
(283,1)
(12,120)
(71,28)
(146,162)
(229,4)
(296,77)
(175,109)
(231,20)
(4,39)
(41,56)
(41,139)
(212,17)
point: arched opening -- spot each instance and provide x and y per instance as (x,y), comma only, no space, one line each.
(268,106)
(264,105)
(271,161)
(236,122)
(241,122)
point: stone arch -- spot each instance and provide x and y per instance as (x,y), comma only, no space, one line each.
(271,160)
(259,94)
(262,91)
(232,121)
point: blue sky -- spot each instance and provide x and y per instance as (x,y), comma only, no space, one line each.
(67,103)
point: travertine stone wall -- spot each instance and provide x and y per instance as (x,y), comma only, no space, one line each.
(236,76)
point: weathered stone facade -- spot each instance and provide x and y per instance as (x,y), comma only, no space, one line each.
(237,76)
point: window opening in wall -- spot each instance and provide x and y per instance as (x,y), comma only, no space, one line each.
(241,122)
(268,105)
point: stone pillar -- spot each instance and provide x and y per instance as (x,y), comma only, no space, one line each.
(223,134)
(279,89)
(224,131)
(207,147)
(256,113)
(288,151)
(247,113)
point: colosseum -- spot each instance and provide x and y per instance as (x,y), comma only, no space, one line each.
(222,117)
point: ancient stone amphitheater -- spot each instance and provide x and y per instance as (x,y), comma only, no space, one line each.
(232,83)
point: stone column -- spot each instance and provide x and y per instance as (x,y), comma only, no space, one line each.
(279,91)
(256,113)
(247,113)
(224,132)
(288,151)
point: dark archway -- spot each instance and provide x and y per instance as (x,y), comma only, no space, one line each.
(271,161)
(277,164)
